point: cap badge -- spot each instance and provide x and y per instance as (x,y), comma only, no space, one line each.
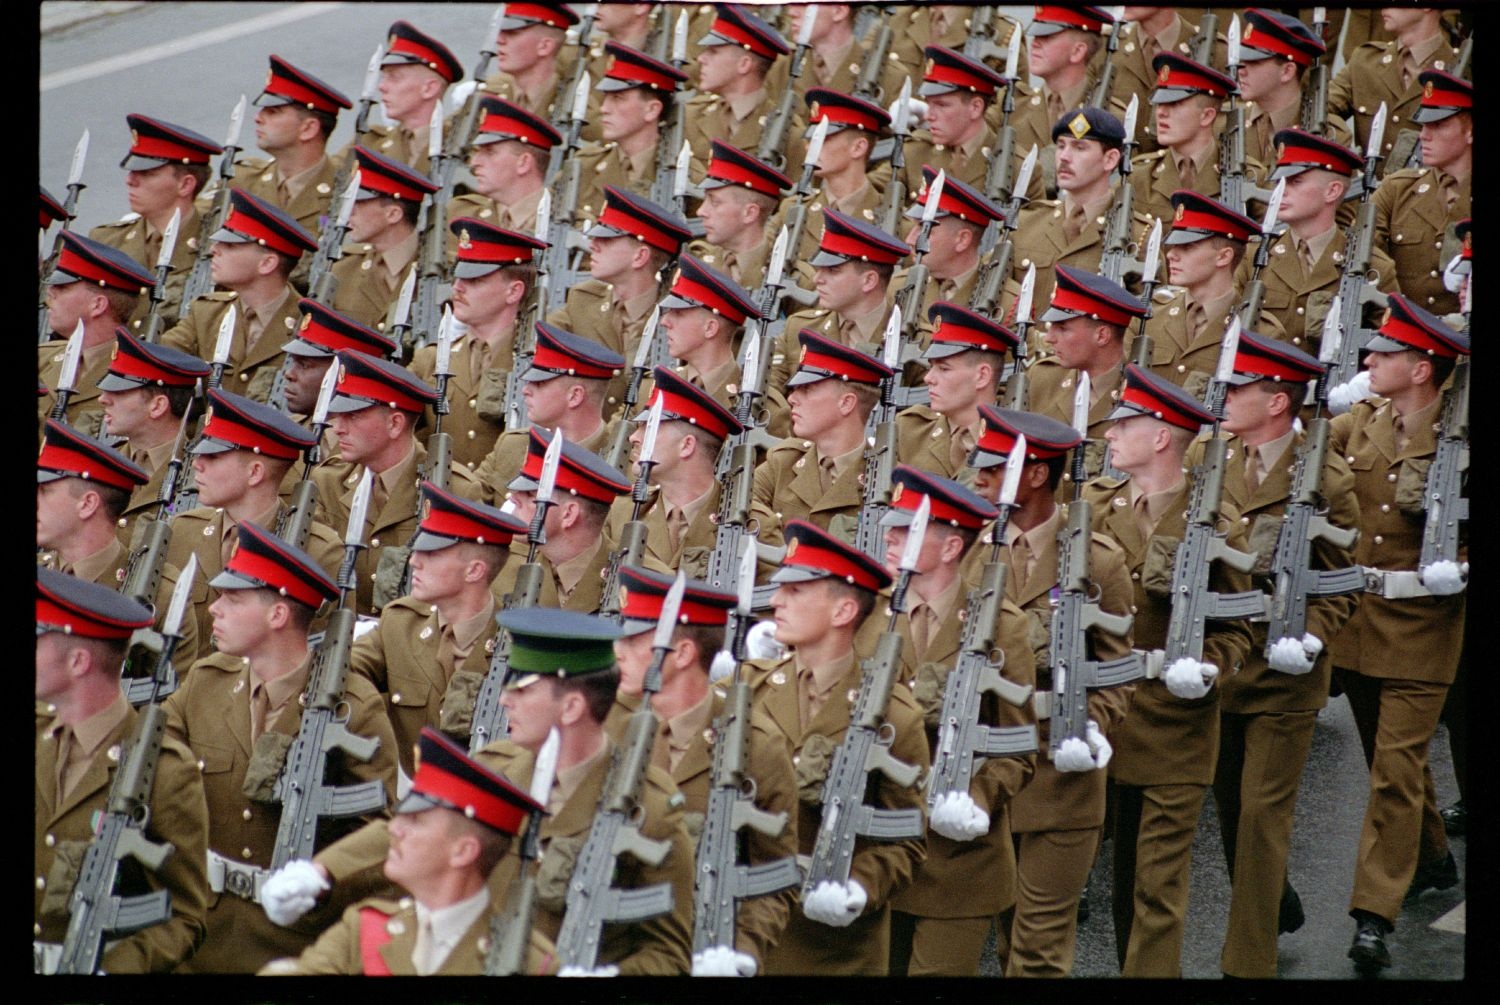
(306,322)
(1249,30)
(343,374)
(270,77)
(1079,127)
(1163,74)
(624,597)
(897,492)
(1181,212)
(927,70)
(464,240)
(1281,151)
(813,110)
(791,548)
(1427,90)
(114,352)
(135,139)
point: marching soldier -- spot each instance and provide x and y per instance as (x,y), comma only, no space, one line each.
(375,408)
(240,462)
(688,707)
(254,255)
(735,61)
(531,40)
(639,94)
(1275,56)
(384,242)
(950,25)
(1398,654)
(508,162)
(81,489)
(414,74)
(165,169)
(1146,32)
(1064,48)
(1166,745)
(952,257)
(938,924)
(957,138)
(450,833)
(740,196)
(1057,820)
(238,711)
(82,720)
(835,58)
(321,334)
(844,171)
(817,475)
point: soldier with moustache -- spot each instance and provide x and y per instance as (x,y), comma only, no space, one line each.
(1064,48)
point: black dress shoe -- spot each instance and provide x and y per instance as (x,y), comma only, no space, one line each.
(1290,916)
(1368,951)
(1433,876)
(1455,819)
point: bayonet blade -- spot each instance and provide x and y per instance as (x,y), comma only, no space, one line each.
(1273,210)
(1227,350)
(543,216)
(550,460)
(172,623)
(546,767)
(680,175)
(934,194)
(492,40)
(915,533)
(1234,41)
(679,39)
(744,585)
(891,344)
(666,624)
(350,197)
(236,123)
(444,364)
(226,335)
(169,240)
(1013,465)
(1023,177)
(1320,18)
(1377,133)
(403,300)
(902,120)
(581,98)
(815,145)
(1132,110)
(435,133)
(648,335)
(371,89)
(1153,253)
(67,376)
(1013,54)
(653,429)
(325,393)
(750,378)
(1333,333)
(80,154)
(1081,400)
(805,29)
(777,269)
(354,529)
(1028,290)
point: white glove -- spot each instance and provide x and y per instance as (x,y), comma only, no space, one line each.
(958,818)
(608,970)
(915,105)
(761,644)
(1445,578)
(1073,755)
(1342,397)
(291,891)
(1188,678)
(1453,280)
(1098,745)
(832,904)
(1294,656)
(459,93)
(721,961)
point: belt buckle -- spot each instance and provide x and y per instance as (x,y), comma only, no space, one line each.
(240,883)
(1374,581)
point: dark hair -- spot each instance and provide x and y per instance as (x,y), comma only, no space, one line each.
(200,172)
(861,596)
(1055,468)
(178,398)
(708,638)
(598,690)
(327,121)
(1442,368)
(112,500)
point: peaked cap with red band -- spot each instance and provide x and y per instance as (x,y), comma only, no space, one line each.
(501,120)
(1085,294)
(1051,20)
(83,259)
(1443,95)
(951,503)
(825,359)
(735,25)
(364,381)
(846,239)
(1046,438)
(67,453)
(629,215)
(52,210)
(145,364)
(643,594)
(687,402)
(1198,217)
(524,15)
(958,329)
(580,472)
(1145,393)
(697,285)
(949,71)
(380,176)
(262,561)
(154,143)
(1178,77)
(406,44)
(324,331)
(287,85)
(447,519)
(88,610)
(561,353)
(1407,326)
(813,553)
(1270,33)
(252,220)
(1259,357)
(843,111)
(732,166)
(448,778)
(233,422)
(957,199)
(483,247)
(632,68)
(1298,151)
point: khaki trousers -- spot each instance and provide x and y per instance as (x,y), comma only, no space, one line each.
(1153,849)
(937,947)
(1052,868)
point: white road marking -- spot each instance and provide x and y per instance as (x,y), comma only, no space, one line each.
(182,46)
(1453,921)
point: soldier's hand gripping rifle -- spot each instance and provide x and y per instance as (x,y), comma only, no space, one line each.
(880,450)
(721,879)
(633,534)
(772,148)
(70,205)
(152,327)
(963,741)
(306,797)
(866,747)
(1443,496)
(565,246)
(1255,289)
(1015,384)
(320,282)
(1078,610)
(1314,115)
(593,900)
(1100,97)
(67,374)
(200,280)
(1293,580)
(1193,602)
(1140,349)
(1235,188)
(510,933)
(1355,289)
(489,719)
(1119,245)
(994,265)
(302,506)
(97,912)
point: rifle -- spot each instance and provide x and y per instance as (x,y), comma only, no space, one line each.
(592,899)
(460,138)
(1015,384)
(510,933)
(514,404)
(997,180)
(219,362)
(1193,603)
(639,367)
(866,747)
(1314,115)
(909,298)
(401,313)
(305,797)
(163,266)
(962,740)
(565,246)
(1202,44)
(439,443)
(633,534)
(1255,289)
(670,188)
(1140,350)
(722,881)
(995,263)
(429,267)
(489,720)
(1355,290)
(895,197)
(199,280)
(796,217)
(1118,246)
(1100,97)
(1443,496)
(369,93)
(1078,610)
(1235,190)
(320,281)
(585,35)
(880,450)
(867,86)
(773,141)
(67,374)
(70,204)
(96,911)
(296,522)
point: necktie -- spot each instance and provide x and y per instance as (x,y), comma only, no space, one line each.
(1305,256)
(260,707)
(1074,221)
(423,952)
(676,527)
(1252,472)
